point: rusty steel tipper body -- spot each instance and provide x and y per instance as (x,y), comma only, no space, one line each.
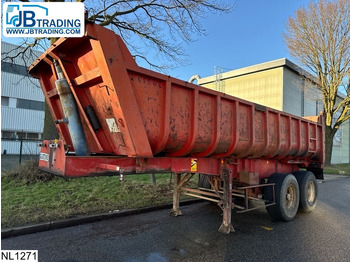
(113,116)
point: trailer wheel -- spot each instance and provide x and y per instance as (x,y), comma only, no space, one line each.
(308,190)
(286,196)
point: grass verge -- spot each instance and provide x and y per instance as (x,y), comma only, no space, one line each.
(31,196)
(342,169)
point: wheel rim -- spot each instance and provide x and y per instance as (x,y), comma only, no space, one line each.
(311,192)
(291,197)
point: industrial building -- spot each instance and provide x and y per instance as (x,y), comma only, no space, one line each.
(22,103)
(282,85)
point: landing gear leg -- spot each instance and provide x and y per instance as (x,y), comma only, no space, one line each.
(176,197)
(226,226)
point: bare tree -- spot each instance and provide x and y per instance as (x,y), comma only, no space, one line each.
(158,25)
(318,36)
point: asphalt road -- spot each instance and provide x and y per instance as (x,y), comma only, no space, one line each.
(323,235)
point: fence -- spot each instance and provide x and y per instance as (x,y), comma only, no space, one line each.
(16,151)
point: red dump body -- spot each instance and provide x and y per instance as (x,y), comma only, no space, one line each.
(145,114)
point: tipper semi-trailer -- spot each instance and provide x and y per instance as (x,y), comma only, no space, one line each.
(114,117)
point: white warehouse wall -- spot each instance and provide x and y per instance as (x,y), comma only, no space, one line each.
(13,147)
(18,86)
(19,92)
(18,119)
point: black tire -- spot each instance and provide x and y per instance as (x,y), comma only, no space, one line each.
(308,189)
(286,197)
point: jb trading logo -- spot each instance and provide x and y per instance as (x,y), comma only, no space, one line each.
(43,20)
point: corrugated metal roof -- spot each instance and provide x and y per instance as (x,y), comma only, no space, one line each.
(18,119)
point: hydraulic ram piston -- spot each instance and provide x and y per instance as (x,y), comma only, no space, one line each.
(71,113)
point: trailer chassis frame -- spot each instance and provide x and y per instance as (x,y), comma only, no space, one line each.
(218,172)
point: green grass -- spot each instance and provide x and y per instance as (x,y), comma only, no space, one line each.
(29,196)
(337,169)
